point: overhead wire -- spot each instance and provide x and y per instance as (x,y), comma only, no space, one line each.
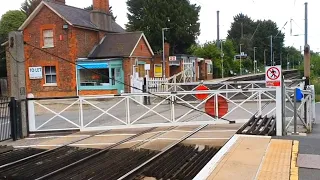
(23,60)
(114,79)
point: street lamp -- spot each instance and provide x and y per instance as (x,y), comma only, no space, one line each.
(254,60)
(240,60)
(163,58)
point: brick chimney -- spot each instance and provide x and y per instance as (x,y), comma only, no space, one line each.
(100,15)
(101,5)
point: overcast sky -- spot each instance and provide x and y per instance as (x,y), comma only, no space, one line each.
(280,11)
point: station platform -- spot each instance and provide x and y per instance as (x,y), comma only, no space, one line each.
(246,157)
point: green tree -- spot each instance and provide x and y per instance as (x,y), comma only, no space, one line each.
(257,34)
(28,6)
(10,21)
(151,16)
(89,8)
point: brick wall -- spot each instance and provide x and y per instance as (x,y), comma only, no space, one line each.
(88,40)
(142,50)
(68,44)
(142,53)
(97,92)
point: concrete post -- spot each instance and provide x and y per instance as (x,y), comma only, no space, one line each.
(17,75)
(31,114)
(279,108)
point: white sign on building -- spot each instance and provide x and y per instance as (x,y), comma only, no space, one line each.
(35,72)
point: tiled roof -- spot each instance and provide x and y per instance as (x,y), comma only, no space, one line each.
(116,45)
(79,17)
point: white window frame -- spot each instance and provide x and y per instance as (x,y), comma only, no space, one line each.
(46,36)
(50,74)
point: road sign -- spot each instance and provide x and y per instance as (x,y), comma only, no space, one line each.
(273,76)
(202,96)
(211,110)
(172,58)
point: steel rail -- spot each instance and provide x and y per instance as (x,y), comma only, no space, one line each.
(94,155)
(166,149)
(50,150)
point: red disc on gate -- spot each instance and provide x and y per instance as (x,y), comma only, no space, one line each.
(202,88)
(210,107)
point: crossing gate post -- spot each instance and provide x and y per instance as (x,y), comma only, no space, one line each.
(15,119)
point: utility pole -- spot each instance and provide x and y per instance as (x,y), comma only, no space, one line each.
(241,30)
(218,29)
(273,63)
(163,56)
(240,60)
(306,50)
(288,61)
(222,55)
(254,60)
(264,56)
(271,53)
(17,76)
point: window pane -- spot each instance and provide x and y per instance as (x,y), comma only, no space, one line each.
(53,70)
(48,41)
(47,70)
(94,77)
(48,33)
(54,79)
(48,79)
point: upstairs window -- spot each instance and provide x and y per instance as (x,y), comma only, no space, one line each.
(50,75)
(48,38)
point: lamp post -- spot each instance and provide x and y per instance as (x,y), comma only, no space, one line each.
(273,63)
(240,60)
(255,67)
(163,58)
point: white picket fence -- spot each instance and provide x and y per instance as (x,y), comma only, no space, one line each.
(161,84)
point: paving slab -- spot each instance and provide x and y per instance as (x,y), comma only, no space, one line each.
(310,161)
(242,160)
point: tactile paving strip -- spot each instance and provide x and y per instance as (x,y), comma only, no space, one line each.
(277,161)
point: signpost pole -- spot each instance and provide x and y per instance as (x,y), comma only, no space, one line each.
(274,79)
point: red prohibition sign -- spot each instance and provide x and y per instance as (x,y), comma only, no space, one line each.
(273,73)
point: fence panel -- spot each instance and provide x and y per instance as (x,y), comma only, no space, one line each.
(5,125)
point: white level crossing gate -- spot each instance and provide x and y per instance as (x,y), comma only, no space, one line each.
(125,111)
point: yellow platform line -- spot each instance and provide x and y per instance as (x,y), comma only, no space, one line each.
(294,171)
(277,162)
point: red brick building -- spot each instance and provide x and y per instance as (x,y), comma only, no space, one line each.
(101,56)
(91,40)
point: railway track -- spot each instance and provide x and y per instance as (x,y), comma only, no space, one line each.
(80,163)
(126,159)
